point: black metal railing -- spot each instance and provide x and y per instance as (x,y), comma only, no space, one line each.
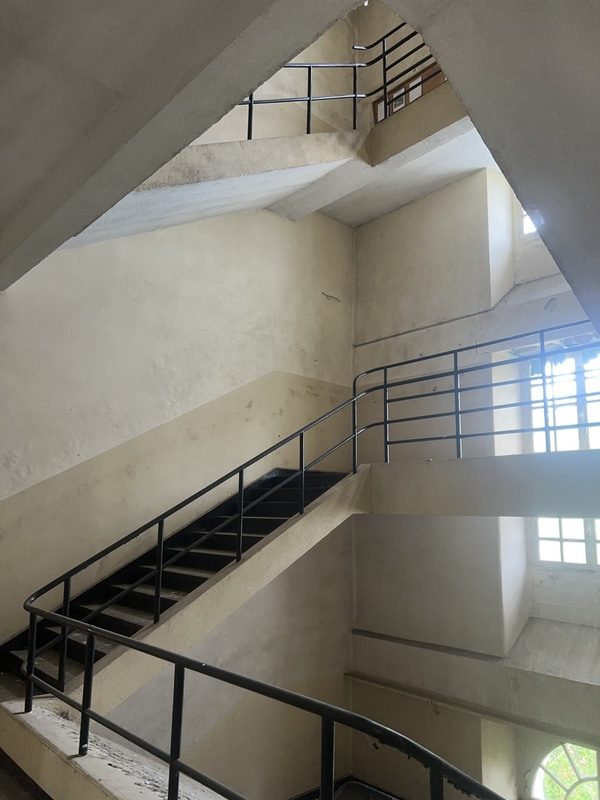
(440,771)
(530,359)
(404,72)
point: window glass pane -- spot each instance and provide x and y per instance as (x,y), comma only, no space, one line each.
(548,527)
(539,443)
(593,411)
(584,760)
(598,554)
(594,438)
(585,791)
(597,527)
(557,763)
(567,439)
(528,226)
(574,552)
(573,529)
(549,551)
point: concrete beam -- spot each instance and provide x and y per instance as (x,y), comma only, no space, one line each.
(96,97)
(528,76)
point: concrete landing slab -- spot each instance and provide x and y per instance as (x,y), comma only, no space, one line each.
(44,744)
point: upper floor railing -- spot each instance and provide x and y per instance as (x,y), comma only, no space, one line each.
(546,380)
(407,68)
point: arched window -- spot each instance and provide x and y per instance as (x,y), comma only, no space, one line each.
(569,772)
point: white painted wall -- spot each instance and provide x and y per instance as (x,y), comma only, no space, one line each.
(106,342)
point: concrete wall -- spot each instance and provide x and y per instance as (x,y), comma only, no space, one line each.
(426,263)
(435,580)
(74,514)
(106,342)
(447,731)
(289,119)
(294,633)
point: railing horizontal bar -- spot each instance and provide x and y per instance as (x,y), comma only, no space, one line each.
(392,49)
(49,689)
(470,347)
(308,704)
(404,73)
(540,429)
(129,736)
(324,65)
(420,396)
(403,57)
(423,439)
(266,101)
(215,786)
(381,38)
(330,451)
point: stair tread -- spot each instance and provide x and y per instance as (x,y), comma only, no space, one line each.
(206,550)
(122,612)
(48,664)
(232,533)
(145,589)
(204,573)
(81,637)
(247,516)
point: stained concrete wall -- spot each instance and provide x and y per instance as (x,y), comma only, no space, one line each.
(106,342)
(436,580)
(74,514)
(295,633)
(449,732)
(289,119)
(426,263)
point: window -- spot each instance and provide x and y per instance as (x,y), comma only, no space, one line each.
(569,772)
(527,226)
(572,388)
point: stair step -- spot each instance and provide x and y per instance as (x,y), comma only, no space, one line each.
(185,579)
(46,666)
(77,645)
(203,557)
(252,524)
(117,618)
(148,591)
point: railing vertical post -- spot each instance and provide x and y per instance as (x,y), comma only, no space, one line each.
(176,725)
(457,419)
(240,519)
(545,392)
(302,472)
(31,662)
(327,759)
(66,609)
(159,569)
(384,68)
(250,114)
(355,98)
(436,783)
(309,96)
(386,421)
(354,429)
(86,702)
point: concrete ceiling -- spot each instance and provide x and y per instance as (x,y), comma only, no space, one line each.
(392,188)
(351,177)
(96,96)
(528,75)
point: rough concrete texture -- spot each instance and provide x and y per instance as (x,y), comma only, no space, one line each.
(103,124)
(45,744)
(489,49)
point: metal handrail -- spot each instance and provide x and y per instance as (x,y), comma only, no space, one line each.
(389,80)
(544,339)
(330,715)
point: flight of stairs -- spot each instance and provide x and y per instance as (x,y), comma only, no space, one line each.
(135,611)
